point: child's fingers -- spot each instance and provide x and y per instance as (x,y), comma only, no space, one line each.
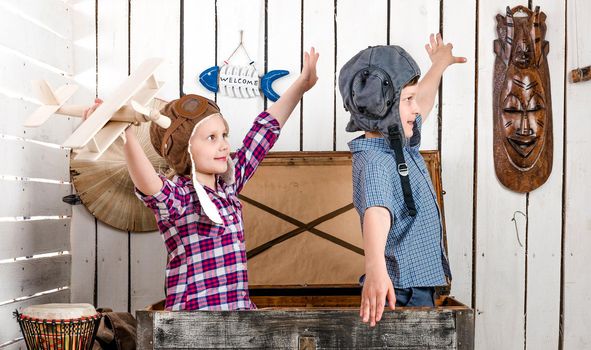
(432,40)
(460,59)
(380,307)
(439,39)
(365,309)
(428,48)
(391,296)
(372,310)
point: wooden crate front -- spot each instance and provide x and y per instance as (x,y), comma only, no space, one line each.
(305,257)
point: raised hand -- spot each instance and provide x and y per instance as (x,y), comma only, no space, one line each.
(440,53)
(308,77)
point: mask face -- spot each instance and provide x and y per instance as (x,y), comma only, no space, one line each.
(521,101)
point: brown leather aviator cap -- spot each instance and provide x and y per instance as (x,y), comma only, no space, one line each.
(172,143)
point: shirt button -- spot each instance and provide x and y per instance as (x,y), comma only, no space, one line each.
(231,217)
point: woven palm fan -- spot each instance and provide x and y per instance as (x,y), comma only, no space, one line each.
(106,189)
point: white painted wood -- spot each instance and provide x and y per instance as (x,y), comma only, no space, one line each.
(35,41)
(83,233)
(83,243)
(283,45)
(161,40)
(353,36)
(198,45)
(28,198)
(18,72)
(545,205)
(457,144)
(33,160)
(233,16)
(49,14)
(19,345)
(410,26)
(28,277)
(112,245)
(31,237)
(9,328)
(577,235)
(318,108)
(14,112)
(500,264)
(148,263)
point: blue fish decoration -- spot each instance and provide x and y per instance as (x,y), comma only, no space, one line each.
(240,81)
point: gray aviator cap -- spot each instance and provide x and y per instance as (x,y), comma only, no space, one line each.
(370,84)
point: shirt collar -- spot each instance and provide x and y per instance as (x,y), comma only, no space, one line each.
(362,143)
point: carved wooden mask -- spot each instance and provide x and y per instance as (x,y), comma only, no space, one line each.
(522,108)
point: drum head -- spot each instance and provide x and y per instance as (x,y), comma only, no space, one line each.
(59,311)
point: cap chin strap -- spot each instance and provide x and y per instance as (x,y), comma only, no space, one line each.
(395,139)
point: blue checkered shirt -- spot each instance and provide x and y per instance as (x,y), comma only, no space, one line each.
(414,249)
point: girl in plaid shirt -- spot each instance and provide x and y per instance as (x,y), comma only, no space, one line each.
(198,211)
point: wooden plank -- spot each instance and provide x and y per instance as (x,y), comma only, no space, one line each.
(500,265)
(577,235)
(145,330)
(32,237)
(465,329)
(83,232)
(198,45)
(457,144)
(33,160)
(9,328)
(29,198)
(161,40)
(49,14)
(284,20)
(15,111)
(18,345)
(353,36)
(112,252)
(83,241)
(318,108)
(148,263)
(18,72)
(545,205)
(410,26)
(282,329)
(234,16)
(35,41)
(31,276)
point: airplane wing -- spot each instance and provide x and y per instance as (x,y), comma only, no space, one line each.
(52,101)
(134,84)
(101,141)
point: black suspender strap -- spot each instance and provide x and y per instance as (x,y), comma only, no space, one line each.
(395,138)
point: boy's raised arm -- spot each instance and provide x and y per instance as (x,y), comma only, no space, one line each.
(441,58)
(281,110)
(377,286)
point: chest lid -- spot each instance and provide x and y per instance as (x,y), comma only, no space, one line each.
(301,228)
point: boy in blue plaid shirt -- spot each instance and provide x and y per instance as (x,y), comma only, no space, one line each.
(392,190)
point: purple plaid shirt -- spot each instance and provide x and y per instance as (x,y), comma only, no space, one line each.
(206,267)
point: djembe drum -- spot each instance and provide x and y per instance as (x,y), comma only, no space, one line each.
(59,326)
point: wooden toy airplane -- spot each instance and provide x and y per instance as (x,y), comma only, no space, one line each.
(111,118)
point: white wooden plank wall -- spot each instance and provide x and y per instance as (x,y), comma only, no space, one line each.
(35,263)
(526,279)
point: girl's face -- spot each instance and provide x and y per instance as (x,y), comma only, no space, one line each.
(209,147)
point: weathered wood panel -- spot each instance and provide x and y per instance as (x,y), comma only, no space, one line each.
(29,159)
(457,143)
(284,20)
(10,329)
(286,329)
(500,258)
(318,106)
(544,232)
(28,198)
(577,226)
(35,40)
(147,263)
(31,237)
(27,277)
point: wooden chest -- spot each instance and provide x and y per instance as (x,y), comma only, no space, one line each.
(305,256)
